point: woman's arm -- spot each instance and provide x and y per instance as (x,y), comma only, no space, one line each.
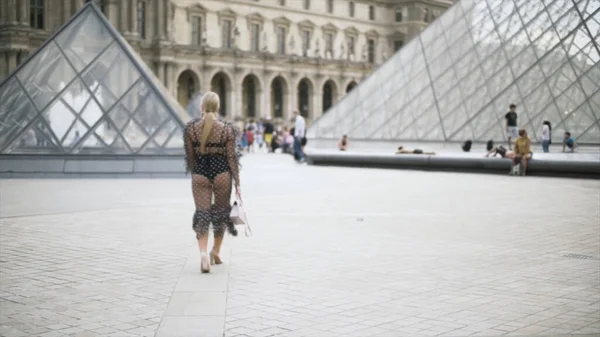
(232,156)
(190,157)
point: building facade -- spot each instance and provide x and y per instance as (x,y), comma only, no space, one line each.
(263,57)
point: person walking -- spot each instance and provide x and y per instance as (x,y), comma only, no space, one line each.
(512,131)
(211,157)
(299,131)
(268,133)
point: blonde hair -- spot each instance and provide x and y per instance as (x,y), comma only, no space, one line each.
(210,107)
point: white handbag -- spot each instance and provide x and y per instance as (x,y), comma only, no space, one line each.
(238,216)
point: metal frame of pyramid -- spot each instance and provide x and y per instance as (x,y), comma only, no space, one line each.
(86,91)
(455,80)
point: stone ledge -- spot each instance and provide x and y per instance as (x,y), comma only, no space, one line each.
(441,162)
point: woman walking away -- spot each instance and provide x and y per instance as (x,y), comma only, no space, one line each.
(211,157)
(546,135)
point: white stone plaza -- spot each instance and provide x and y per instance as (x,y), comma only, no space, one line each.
(335,252)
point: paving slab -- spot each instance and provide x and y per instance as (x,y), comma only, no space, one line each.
(335,252)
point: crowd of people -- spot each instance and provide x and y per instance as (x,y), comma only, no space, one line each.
(262,135)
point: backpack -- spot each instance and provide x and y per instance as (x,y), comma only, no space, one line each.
(467,146)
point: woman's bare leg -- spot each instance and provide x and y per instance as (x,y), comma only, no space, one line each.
(221,211)
(202,191)
(524,164)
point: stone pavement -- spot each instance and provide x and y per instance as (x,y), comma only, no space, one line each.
(335,252)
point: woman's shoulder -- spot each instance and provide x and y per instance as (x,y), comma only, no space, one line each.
(193,121)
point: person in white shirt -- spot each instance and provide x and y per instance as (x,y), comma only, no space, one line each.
(546,135)
(300,130)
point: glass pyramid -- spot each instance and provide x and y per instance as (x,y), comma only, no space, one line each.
(456,79)
(85,91)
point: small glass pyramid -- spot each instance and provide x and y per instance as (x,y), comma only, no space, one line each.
(456,79)
(85,91)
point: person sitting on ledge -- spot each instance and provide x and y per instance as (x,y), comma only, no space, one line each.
(402,150)
(523,151)
(500,150)
(343,144)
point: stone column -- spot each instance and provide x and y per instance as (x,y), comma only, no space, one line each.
(133,17)
(66,10)
(123,17)
(3,65)
(12,60)
(160,71)
(111,10)
(24,11)
(159,18)
(9,11)
(317,104)
(167,12)
(169,77)
(266,98)
(235,107)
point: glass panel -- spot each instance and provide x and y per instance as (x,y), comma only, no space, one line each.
(59,117)
(570,99)
(590,86)
(547,113)
(176,141)
(538,26)
(428,119)
(523,61)
(465,65)
(546,41)
(562,79)
(474,81)
(483,122)
(74,135)
(111,76)
(463,134)
(92,113)
(16,111)
(552,61)
(587,7)
(567,23)
(148,110)
(76,96)
(106,131)
(539,98)
(578,121)
(530,80)
(441,64)
(455,120)
(444,83)
(593,23)
(478,100)
(84,39)
(585,59)
(499,81)
(134,135)
(592,135)
(530,9)
(510,27)
(557,8)
(45,75)
(502,9)
(36,139)
(461,47)
(493,63)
